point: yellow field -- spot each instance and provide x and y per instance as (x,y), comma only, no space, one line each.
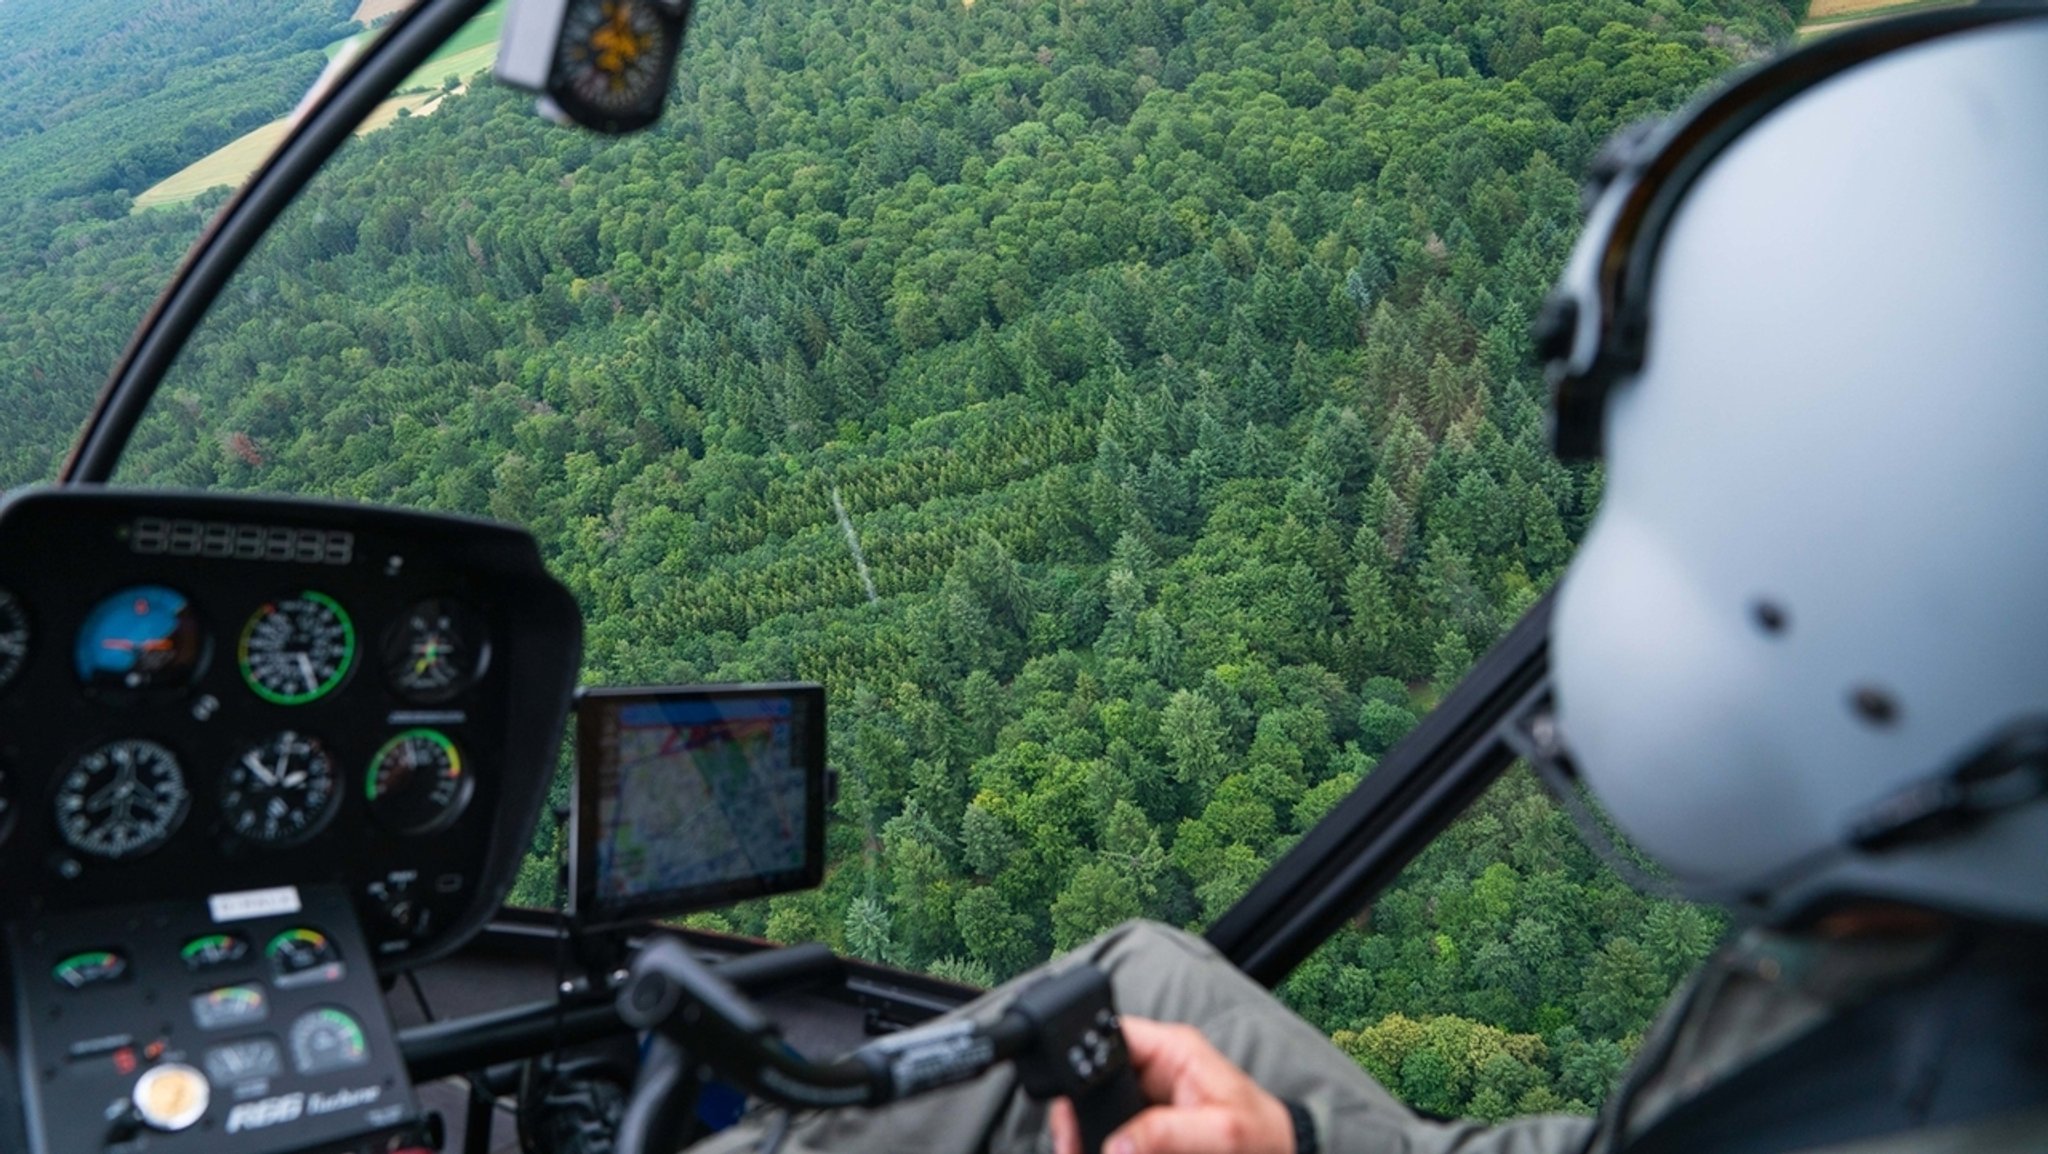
(230,164)
(462,66)
(1828,15)
(369,11)
(417,103)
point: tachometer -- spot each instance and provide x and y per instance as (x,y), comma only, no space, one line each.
(122,800)
(416,783)
(437,650)
(298,649)
(280,790)
(141,638)
(13,637)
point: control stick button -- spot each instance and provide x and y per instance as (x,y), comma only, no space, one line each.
(171,1096)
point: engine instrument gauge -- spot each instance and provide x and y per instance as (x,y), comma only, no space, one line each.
(303,957)
(244,1060)
(327,1039)
(122,800)
(229,1008)
(91,968)
(416,783)
(297,649)
(142,638)
(13,637)
(210,951)
(437,650)
(280,791)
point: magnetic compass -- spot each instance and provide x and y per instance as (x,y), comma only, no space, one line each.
(614,59)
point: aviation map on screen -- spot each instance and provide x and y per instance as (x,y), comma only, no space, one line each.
(693,797)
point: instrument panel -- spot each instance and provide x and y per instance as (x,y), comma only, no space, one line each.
(206,695)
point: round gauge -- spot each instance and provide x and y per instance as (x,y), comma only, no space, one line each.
(6,803)
(91,968)
(303,957)
(416,784)
(437,650)
(612,55)
(142,638)
(210,951)
(280,791)
(13,637)
(327,1039)
(297,650)
(121,800)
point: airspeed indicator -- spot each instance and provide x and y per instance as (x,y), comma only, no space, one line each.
(298,649)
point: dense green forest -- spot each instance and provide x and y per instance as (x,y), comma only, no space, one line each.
(99,99)
(1124,409)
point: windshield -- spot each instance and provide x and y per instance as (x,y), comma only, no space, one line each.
(1124,410)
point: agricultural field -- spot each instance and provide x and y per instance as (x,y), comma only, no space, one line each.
(1833,15)
(229,165)
(470,52)
(370,11)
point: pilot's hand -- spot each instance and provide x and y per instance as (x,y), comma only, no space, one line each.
(1211,1106)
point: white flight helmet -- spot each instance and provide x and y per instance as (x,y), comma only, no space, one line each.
(1803,651)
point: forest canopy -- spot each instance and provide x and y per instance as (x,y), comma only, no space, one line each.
(1125,410)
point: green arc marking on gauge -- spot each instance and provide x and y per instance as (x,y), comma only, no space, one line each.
(348,654)
(197,946)
(434,735)
(83,969)
(91,959)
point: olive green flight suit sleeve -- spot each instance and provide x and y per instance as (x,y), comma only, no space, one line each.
(1168,975)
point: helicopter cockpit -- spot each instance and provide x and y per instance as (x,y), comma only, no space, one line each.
(311,842)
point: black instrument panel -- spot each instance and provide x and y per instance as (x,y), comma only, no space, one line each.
(205,695)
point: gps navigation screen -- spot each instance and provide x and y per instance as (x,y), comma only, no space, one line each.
(689,798)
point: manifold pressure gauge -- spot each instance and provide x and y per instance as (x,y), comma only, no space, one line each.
(605,64)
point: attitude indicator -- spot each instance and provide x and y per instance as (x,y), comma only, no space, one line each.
(143,638)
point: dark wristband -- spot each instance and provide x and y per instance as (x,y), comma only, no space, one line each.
(1304,1127)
